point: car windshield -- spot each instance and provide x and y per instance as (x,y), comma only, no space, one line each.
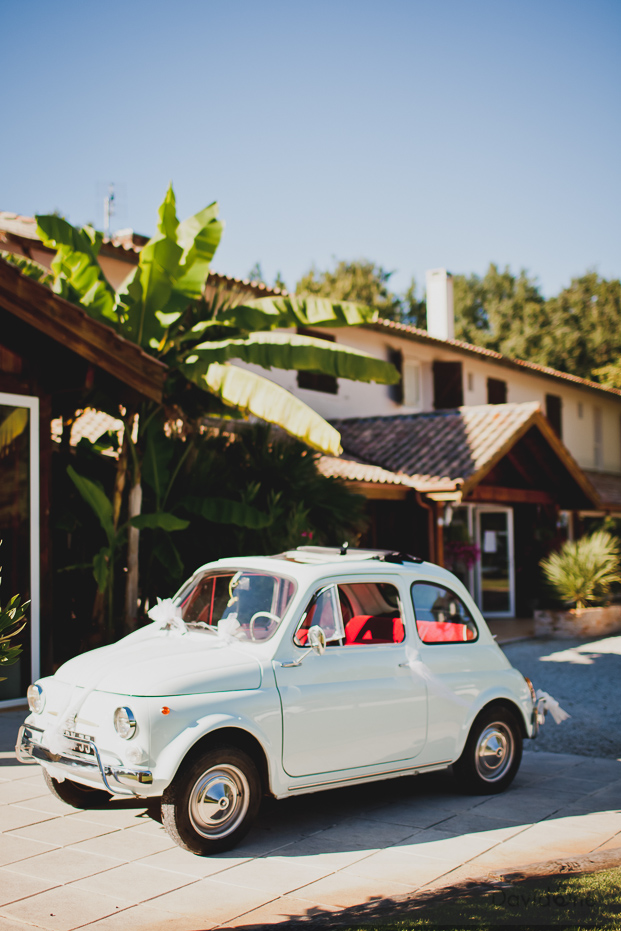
(244,605)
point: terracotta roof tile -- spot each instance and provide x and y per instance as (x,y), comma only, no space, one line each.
(441,448)
(608,487)
(418,335)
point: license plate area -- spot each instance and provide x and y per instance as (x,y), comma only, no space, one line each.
(80,743)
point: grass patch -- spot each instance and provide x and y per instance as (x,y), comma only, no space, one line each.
(575,902)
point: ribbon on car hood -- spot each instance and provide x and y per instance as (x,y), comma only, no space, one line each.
(169,615)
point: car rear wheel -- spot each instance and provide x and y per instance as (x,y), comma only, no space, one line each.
(74,794)
(211,803)
(492,754)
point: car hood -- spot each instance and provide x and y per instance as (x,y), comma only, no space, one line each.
(163,662)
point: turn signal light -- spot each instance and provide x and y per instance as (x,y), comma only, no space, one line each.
(165,709)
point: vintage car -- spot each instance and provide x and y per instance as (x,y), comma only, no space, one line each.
(283,675)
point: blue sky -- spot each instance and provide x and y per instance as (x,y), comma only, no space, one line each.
(416,133)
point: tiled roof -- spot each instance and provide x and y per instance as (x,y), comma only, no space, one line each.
(608,487)
(417,335)
(126,244)
(440,449)
(355,471)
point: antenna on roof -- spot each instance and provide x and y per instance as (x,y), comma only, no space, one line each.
(344,548)
(108,209)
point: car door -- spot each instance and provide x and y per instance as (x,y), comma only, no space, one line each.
(359,703)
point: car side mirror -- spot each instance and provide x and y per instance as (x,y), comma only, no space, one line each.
(317,639)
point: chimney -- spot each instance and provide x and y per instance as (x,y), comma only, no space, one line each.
(440,315)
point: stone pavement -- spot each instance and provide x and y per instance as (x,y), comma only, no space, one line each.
(115,868)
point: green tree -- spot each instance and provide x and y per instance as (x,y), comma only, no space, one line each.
(577,331)
(500,311)
(368,283)
(161,307)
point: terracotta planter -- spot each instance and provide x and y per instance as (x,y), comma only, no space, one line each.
(584,622)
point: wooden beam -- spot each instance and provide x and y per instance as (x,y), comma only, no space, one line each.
(380,491)
(69,325)
(498,495)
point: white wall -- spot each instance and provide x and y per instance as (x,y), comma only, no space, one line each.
(356,399)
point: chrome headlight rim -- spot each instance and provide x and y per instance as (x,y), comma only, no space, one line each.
(35,697)
(125,722)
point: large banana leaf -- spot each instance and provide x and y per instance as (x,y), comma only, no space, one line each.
(253,394)
(199,237)
(148,288)
(304,353)
(225,511)
(95,496)
(75,266)
(267,313)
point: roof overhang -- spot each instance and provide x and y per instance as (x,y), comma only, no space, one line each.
(36,306)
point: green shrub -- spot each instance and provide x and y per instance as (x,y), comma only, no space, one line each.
(12,623)
(584,570)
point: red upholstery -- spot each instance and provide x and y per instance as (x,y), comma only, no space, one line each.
(443,632)
(374,628)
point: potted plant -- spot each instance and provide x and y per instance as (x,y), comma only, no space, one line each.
(580,573)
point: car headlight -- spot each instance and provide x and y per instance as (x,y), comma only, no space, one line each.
(36,698)
(124,723)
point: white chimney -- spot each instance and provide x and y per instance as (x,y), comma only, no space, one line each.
(440,314)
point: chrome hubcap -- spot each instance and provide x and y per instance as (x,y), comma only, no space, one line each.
(494,752)
(219,801)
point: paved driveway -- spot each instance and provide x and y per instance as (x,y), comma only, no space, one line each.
(115,869)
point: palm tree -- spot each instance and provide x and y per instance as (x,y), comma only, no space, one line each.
(161,306)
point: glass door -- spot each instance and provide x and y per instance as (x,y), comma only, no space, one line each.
(495,582)
(19,532)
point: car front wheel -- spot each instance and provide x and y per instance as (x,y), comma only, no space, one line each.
(492,754)
(211,803)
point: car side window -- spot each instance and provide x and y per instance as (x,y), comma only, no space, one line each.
(441,615)
(323,611)
(356,613)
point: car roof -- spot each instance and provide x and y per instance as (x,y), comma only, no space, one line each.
(316,561)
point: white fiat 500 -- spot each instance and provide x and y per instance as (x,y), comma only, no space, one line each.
(283,675)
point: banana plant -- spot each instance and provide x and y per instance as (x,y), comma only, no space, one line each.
(12,622)
(161,307)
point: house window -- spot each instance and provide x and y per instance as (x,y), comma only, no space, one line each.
(598,438)
(395,392)
(580,410)
(470,381)
(496,391)
(447,385)
(317,381)
(411,384)
(554,413)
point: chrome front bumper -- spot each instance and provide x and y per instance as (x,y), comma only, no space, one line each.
(116,779)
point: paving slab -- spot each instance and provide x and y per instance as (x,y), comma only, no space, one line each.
(115,869)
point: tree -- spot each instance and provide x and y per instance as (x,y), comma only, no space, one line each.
(161,307)
(577,331)
(500,311)
(364,281)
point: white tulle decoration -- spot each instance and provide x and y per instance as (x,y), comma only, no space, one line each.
(553,707)
(168,614)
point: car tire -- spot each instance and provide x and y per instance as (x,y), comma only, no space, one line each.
(492,755)
(212,801)
(78,796)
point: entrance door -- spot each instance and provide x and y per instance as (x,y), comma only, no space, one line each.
(19,532)
(495,588)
